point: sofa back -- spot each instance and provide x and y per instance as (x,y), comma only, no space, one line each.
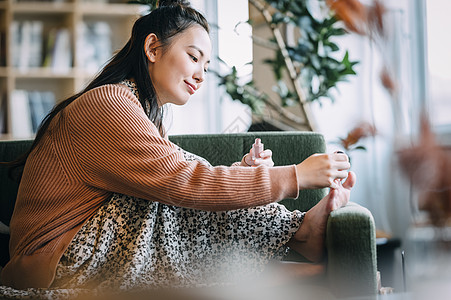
(9,150)
(218,149)
(288,147)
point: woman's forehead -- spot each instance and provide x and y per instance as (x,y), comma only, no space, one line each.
(195,37)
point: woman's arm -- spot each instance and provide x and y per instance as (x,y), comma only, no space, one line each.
(118,149)
(317,171)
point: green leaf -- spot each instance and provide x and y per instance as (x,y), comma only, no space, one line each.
(359,148)
(334,47)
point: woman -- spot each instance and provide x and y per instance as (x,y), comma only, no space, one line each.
(105,200)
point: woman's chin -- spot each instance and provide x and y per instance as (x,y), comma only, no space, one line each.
(178,102)
(181,102)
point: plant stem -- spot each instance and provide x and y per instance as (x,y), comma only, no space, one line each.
(283,112)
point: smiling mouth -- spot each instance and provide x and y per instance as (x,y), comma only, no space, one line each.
(191,88)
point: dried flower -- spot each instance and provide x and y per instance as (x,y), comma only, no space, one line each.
(359,132)
(352,13)
(428,165)
(358,18)
(376,17)
(388,82)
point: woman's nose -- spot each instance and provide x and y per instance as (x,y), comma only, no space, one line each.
(199,76)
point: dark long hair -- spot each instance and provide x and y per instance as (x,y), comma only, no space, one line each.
(168,20)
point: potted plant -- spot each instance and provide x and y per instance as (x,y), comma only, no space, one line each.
(304,71)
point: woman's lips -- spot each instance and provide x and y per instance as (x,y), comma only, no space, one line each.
(191,88)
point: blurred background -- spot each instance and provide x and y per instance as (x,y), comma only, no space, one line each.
(51,49)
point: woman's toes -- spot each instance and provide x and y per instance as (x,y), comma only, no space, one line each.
(350,181)
(331,200)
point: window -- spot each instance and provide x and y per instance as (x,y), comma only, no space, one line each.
(438,49)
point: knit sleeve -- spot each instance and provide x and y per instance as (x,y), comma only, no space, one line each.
(118,149)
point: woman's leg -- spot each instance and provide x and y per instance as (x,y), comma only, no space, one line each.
(310,238)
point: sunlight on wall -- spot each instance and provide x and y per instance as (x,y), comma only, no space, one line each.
(211,110)
(439,60)
(235,49)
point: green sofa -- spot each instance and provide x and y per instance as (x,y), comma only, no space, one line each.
(351,243)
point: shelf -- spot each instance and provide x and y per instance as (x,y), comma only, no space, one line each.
(10,137)
(113,10)
(46,18)
(42,73)
(4,72)
(42,8)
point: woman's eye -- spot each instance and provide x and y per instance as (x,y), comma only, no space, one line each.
(193,58)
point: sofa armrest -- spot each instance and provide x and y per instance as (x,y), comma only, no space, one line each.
(351,251)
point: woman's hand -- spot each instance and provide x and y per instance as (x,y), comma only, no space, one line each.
(322,170)
(265,159)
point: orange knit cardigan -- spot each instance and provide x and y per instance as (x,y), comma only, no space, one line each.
(104,143)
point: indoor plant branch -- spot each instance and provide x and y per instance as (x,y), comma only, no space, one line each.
(279,109)
(305,109)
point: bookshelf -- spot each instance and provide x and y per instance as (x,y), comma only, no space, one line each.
(52,49)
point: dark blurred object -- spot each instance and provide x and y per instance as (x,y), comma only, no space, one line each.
(4,249)
(386,250)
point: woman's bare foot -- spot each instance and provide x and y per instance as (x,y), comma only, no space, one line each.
(309,239)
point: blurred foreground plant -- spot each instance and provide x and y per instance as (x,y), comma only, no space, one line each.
(428,165)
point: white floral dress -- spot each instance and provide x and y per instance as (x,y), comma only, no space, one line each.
(134,243)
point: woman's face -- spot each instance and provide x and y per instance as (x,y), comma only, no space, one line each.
(179,70)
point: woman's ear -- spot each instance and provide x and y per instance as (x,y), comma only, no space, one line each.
(150,47)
